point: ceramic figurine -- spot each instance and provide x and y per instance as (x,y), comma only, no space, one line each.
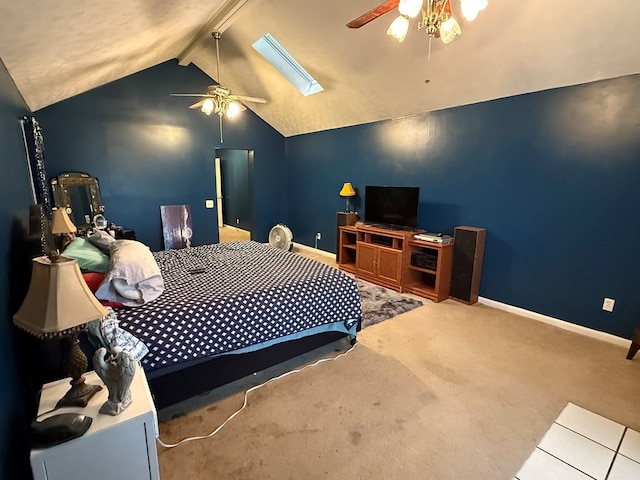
(116,370)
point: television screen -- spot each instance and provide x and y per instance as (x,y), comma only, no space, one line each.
(391,206)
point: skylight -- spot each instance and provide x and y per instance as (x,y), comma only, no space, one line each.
(276,55)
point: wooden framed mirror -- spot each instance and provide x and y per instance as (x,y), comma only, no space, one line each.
(79,193)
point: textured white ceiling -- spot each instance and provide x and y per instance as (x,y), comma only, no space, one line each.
(55,50)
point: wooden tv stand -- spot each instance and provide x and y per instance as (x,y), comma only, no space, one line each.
(383,256)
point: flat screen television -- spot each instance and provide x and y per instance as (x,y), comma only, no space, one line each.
(391,207)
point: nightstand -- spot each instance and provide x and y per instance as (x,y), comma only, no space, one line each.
(125,234)
(122,446)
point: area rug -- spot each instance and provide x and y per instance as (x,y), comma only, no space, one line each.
(379,303)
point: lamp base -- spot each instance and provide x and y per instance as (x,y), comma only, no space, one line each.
(75,365)
(79,394)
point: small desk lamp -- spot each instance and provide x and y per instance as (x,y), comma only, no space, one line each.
(59,303)
(61,226)
(347,191)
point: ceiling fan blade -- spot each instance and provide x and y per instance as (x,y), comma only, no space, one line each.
(373,14)
(189,94)
(197,104)
(245,98)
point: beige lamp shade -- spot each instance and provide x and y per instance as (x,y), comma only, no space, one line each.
(347,190)
(59,301)
(60,222)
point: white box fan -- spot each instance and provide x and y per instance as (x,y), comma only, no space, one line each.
(281,237)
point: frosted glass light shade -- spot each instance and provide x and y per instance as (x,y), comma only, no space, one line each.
(471,8)
(410,8)
(399,28)
(233,110)
(449,29)
(207,106)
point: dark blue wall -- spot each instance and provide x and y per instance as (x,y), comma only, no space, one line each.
(553,176)
(15,198)
(148,149)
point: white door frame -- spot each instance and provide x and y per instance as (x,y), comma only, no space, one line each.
(219,192)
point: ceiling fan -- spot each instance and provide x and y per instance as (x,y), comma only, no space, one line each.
(436,17)
(218,98)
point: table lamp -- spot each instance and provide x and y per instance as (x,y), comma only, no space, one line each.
(347,191)
(59,303)
(61,227)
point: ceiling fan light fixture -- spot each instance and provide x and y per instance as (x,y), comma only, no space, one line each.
(399,28)
(233,110)
(434,16)
(219,99)
(451,25)
(449,29)
(207,106)
(471,8)
(410,8)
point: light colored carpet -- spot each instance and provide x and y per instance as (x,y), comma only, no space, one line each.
(444,391)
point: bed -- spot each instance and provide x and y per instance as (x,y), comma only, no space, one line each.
(229,310)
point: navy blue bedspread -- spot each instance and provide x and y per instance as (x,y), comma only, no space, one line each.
(248,294)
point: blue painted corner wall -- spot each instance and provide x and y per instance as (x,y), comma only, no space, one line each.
(15,198)
(148,149)
(553,176)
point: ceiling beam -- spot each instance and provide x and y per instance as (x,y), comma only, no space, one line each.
(219,21)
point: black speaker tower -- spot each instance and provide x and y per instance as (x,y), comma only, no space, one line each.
(468,252)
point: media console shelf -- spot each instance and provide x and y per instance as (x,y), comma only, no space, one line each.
(383,256)
(433,281)
(347,248)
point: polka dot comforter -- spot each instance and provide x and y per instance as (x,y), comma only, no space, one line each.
(224,297)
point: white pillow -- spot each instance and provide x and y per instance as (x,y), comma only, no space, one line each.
(130,292)
(133,277)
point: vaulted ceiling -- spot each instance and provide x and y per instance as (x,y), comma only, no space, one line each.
(55,50)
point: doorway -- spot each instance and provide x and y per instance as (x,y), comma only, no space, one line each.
(234,184)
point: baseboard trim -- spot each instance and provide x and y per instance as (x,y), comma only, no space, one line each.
(572,327)
(299,246)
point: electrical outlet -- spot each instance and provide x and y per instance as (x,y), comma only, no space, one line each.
(318,236)
(608,304)
(208,203)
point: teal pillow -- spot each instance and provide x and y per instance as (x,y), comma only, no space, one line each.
(90,258)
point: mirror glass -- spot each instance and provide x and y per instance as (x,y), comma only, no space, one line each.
(79,193)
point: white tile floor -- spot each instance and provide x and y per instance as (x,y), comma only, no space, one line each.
(582,445)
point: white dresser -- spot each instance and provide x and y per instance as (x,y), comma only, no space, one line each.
(119,447)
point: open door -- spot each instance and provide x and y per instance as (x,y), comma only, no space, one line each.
(234,192)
